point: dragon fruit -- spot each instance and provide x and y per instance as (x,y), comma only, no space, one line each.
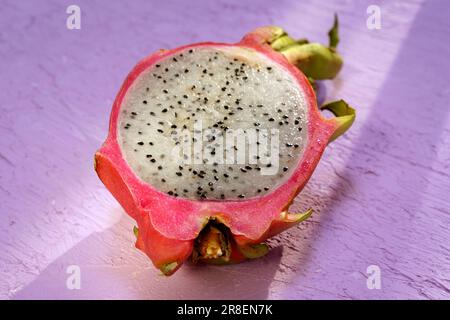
(210,143)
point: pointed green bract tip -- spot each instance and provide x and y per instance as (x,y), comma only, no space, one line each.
(315,60)
(136,231)
(168,268)
(345,116)
(254,251)
(299,217)
(333,34)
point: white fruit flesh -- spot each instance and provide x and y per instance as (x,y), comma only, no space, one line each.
(210,95)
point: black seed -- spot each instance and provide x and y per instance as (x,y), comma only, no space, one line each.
(149,156)
(259,190)
(226,175)
(288,145)
(271,119)
(223,89)
(179,174)
(266,188)
(165,91)
(140,143)
(164,110)
(159,167)
(210,184)
(150,143)
(185,191)
(243,170)
(241,196)
(269,165)
(248,167)
(285,169)
(163,180)
(160,131)
(170,192)
(296,122)
(222,196)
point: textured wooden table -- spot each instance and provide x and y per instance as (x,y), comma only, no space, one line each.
(381,193)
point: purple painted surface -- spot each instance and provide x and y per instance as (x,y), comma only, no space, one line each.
(381,193)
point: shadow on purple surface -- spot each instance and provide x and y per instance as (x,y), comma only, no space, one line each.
(112,269)
(396,152)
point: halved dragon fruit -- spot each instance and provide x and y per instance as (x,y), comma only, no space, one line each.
(210,143)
